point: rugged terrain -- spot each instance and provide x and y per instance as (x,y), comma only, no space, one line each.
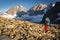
(19,24)
(36,14)
(18,8)
(11,29)
(53,14)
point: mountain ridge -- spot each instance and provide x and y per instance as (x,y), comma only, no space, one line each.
(34,14)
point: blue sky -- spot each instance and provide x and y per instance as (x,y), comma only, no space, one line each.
(5,4)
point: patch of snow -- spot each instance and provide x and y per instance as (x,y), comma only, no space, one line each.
(17,7)
(5,13)
(15,15)
(21,6)
(53,5)
(8,16)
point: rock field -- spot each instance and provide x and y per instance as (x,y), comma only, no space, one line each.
(11,29)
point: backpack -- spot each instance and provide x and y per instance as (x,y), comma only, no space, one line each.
(47,20)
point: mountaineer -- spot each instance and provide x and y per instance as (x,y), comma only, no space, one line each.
(47,22)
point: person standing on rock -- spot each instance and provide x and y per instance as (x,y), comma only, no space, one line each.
(47,22)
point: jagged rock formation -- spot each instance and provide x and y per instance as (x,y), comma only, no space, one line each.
(24,30)
(14,12)
(19,13)
(53,14)
(35,14)
(16,9)
(37,9)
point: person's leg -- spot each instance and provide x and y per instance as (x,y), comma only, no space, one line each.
(46,28)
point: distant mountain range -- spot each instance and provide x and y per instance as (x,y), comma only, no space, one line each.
(35,14)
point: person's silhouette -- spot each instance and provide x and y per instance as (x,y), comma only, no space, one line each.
(47,22)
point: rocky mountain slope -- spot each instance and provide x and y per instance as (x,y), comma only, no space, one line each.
(24,30)
(20,13)
(37,9)
(53,14)
(13,10)
(36,14)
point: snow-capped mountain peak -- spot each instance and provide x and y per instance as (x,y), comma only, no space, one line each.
(15,9)
(35,14)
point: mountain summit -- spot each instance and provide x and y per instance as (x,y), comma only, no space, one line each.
(39,7)
(36,14)
(13,10)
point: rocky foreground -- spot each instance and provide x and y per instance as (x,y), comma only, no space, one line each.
(24,30)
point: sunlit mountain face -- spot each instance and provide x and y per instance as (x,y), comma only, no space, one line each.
(33,10)
(29,19)
(6,4)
